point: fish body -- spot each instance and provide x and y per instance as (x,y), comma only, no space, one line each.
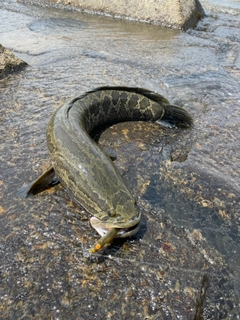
(85,169)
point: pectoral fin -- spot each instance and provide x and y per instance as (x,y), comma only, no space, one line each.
(47,180)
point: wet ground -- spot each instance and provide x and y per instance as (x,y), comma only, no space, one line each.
(184,263)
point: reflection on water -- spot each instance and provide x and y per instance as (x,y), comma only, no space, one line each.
(57,26)
(186,181)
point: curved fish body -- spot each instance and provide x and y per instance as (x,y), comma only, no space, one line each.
(86,170)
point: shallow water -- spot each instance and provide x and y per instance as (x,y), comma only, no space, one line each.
(230,6)
(186,181)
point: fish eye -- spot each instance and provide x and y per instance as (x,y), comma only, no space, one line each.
(111,213)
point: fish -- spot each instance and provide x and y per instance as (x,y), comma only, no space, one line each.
(87,170)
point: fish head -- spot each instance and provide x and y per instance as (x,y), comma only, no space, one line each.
(124,215)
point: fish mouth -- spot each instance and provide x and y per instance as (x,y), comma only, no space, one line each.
(125,230)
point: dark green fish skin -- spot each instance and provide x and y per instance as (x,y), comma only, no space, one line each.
(85,169)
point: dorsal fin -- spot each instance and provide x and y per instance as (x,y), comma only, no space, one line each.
(145,92)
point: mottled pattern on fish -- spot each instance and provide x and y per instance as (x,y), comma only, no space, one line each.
(85,169)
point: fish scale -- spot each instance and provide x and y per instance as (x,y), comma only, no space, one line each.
(86,170)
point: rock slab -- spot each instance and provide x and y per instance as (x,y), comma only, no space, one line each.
(182,14)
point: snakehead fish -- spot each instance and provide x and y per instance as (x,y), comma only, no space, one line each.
(87,170)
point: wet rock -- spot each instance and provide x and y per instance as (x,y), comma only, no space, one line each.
(184,263)
(9,63)
(181,14)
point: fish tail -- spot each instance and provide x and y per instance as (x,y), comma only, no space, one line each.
(177,116)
